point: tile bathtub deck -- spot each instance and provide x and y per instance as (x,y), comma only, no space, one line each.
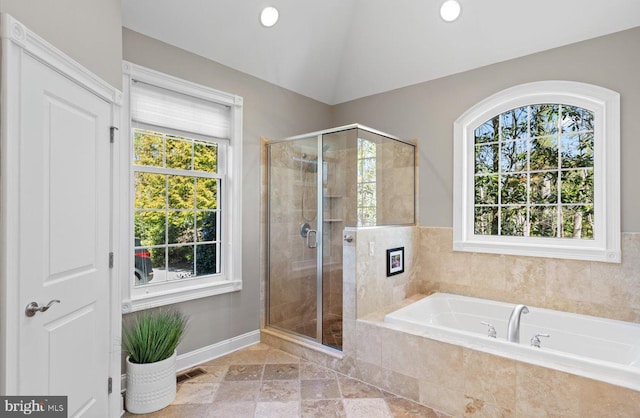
(261,381)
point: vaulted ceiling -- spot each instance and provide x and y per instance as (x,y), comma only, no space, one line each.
(339,50)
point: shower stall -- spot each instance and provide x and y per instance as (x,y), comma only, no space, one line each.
(318,184)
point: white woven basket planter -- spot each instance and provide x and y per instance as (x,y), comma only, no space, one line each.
(151,386)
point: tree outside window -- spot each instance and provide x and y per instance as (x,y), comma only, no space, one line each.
(366,182)
(176,206)
(533,173)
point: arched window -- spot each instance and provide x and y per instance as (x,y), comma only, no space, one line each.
(537,173)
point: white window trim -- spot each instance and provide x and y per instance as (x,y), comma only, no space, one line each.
(231,278)
(605,104)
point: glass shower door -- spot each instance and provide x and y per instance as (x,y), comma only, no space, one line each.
(293,235)
(319,184)
(306,216)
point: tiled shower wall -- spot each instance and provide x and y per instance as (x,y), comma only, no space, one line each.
(395,183)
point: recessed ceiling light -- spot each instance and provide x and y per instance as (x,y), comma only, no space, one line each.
(269,16)
(450,10)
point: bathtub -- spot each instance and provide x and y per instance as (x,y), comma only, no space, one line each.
(597,348)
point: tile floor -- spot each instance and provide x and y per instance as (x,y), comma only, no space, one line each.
(261,381)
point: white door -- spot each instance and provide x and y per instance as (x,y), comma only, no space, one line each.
(64,224)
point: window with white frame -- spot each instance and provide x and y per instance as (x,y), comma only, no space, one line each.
(177,200)
(183,153)
(537,173)
(367,168)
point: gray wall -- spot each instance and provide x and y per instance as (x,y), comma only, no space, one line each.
(89,31)
(269,111)
(426,112)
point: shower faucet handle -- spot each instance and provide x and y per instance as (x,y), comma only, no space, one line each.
(348,238)
(491,330)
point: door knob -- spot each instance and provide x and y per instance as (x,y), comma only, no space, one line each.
(33,307)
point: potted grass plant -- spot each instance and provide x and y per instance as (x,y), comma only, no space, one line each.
(150,344)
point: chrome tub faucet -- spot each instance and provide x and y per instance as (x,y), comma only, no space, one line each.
(513,329)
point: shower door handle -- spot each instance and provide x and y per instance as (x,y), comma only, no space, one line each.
(313,244)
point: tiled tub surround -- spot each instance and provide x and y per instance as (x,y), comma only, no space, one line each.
(458,380)
(462,381)
(467,382)
(602,349)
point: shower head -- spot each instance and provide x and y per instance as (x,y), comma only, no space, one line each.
(305,159)
(307,163)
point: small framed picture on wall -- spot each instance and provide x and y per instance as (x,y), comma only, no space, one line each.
(395,261)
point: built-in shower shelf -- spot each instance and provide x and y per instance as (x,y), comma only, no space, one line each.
(333,196)
(332,220)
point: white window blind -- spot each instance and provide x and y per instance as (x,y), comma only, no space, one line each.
(165,108)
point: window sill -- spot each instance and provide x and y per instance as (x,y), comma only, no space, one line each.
(540,249)
(161,298)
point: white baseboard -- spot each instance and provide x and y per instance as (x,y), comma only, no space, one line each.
(201,355)
(210,352)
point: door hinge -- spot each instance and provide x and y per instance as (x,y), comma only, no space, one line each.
(112,134)
(110,260)
(110,386)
